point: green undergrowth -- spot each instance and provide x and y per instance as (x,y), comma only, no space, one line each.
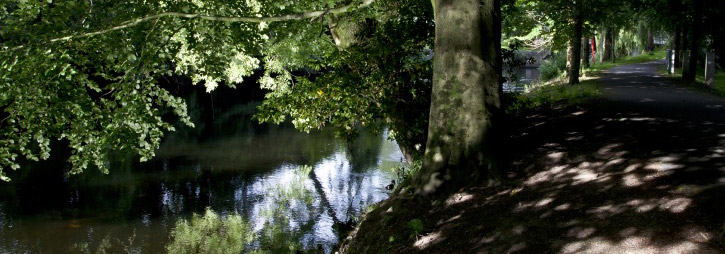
(719,86)
(594,69)
(553,95)
(406,174)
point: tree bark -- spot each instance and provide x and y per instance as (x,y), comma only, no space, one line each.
(677,45)
(683,44)
(608,44)
(601,45)
(689,76)
(614,44)
(585,51)
(574,49)
(465,97)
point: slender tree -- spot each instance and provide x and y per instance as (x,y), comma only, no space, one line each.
(696,24)
(585,51)
(677,45)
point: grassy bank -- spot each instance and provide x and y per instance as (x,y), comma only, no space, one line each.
(594,69)
(719,87)
(553,95)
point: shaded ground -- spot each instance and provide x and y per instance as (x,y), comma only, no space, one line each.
(641,172)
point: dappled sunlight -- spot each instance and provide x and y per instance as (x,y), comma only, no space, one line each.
(631,191)
(427,240)
(631,180)
(631,244)
(624,178)
(458,198)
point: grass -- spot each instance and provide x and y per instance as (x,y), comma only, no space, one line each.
(554,94)
(719,86)
(594,69)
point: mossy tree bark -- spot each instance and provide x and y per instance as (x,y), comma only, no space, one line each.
(465,97)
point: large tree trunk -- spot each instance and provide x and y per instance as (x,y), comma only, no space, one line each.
(689,76)
(574,49)
(465,97)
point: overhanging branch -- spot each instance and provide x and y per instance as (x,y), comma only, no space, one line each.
(135,22)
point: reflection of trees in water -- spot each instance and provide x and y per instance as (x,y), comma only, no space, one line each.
(363,151)
(192,172)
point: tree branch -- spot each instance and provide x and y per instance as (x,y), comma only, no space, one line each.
(295,16)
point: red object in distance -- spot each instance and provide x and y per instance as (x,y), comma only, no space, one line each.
(594,48)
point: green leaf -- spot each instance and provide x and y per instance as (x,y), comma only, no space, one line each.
(415,225)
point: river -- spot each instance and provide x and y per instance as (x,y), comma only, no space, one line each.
(228,163)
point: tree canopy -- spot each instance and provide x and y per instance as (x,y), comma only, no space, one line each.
(92,73)
(89,72)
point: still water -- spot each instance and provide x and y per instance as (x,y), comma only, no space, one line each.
(228,163)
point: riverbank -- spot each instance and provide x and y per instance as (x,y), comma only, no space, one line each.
(643,170)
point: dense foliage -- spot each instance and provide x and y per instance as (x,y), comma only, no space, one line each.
(87,72)
(382,79)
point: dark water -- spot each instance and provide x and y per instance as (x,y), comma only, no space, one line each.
(228,163)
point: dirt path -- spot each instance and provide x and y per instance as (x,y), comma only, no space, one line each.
(642,172)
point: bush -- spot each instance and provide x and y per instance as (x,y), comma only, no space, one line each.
(553,67)
(548,70)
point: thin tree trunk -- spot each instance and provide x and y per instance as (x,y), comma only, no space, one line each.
(608,44)
(574,49)
(585,51)
(601,45)
(614,44)
(465,96)
(683,44)
(695,41)
(677,45)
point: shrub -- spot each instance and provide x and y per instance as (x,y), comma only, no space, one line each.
(553,67)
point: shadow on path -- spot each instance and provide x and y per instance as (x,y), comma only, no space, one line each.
(642,172)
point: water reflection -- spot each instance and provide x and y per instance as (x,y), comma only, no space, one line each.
(228,163)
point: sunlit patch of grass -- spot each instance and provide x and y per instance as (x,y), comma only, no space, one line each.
(600,66)
(554,94)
